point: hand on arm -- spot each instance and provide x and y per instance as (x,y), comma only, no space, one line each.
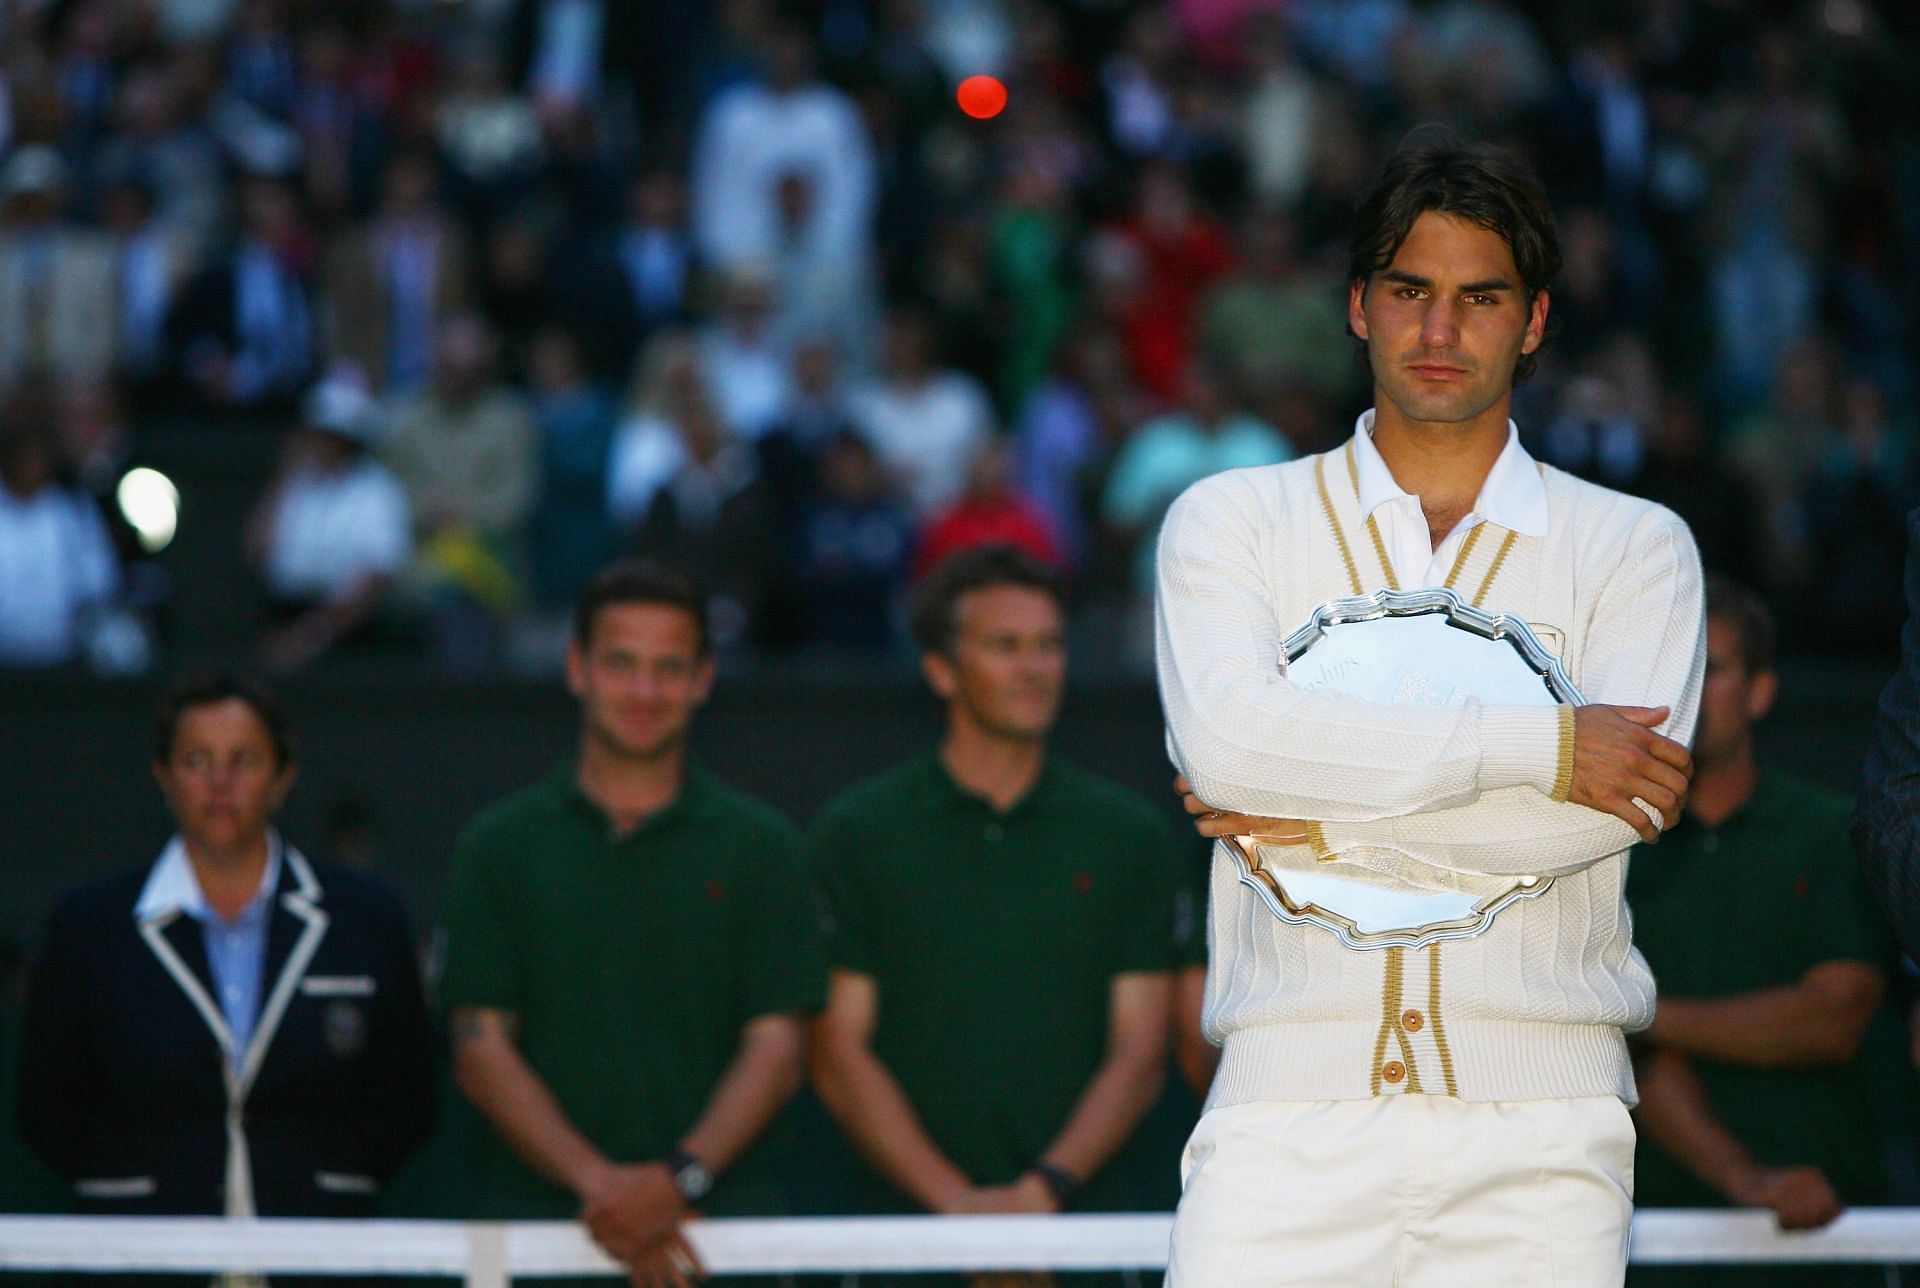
(1815,1021)
(1677,1116)
(869,1105)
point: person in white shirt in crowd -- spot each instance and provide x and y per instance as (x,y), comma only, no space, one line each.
(57,565)
(1454,1112)
(334,530)
(758,133)
(746,360)
(241,333)
(926,422)
(151,261)
(56,280)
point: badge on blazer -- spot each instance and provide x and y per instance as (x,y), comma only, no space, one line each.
(345,1026)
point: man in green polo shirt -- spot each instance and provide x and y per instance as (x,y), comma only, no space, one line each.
(1770,961)
(1002,927)
(632,950)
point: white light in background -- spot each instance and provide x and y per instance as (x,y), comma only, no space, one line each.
(151,504)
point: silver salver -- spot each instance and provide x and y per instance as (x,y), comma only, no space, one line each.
(1416,648)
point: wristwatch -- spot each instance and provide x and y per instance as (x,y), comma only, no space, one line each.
(1062,1184)
(690,1176)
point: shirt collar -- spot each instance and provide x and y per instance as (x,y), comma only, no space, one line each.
(944,792)
(172,887)
(1513,496)
(695,794)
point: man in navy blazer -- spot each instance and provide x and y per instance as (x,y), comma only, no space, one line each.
(234,1028)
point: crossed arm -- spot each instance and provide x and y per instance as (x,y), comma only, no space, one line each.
(873,1109)
(632,1209)
(1456,787)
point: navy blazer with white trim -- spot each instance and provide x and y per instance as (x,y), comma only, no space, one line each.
(126,1088)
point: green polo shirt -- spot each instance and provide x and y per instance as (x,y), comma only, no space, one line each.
(1751,904)
(994,939)
(632,961)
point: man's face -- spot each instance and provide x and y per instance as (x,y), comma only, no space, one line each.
(1446,321)
(1731,699)
(1009,661)
(221,778)
(639,679)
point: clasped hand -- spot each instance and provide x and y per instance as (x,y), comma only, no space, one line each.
(634,1212)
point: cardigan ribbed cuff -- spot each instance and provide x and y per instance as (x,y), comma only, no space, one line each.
(1520,747)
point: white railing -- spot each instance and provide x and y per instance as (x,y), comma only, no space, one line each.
(489,1255)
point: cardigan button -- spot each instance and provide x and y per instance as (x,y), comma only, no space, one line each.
(1413,1021)
(1393,1071)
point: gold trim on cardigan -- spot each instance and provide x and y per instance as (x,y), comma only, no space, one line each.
(1439,1029)
(1499,560)
(1563,774)
(1333,521)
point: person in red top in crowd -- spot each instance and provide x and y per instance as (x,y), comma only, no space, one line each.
(1183,251)
(990,512)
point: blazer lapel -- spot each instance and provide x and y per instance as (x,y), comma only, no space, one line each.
(176,940)
(293,936)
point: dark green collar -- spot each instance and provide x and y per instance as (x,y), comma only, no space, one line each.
(692,803)
(941,792)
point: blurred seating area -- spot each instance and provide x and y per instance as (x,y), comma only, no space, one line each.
(371,329)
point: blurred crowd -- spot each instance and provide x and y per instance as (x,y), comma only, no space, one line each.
(520,285)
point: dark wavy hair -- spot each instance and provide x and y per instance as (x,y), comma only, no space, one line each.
(1488,186)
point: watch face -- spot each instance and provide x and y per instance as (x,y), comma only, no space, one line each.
(693,1181)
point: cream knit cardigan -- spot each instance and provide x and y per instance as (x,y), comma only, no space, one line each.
(1535,1007)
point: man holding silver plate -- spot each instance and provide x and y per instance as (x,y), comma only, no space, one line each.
(1427,693)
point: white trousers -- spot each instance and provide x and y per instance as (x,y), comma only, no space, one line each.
(1420,1191)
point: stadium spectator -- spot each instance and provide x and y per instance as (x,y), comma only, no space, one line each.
(1208,434)
(992,511)
(151,262)
(631,951)
(56,278)
(576,417)
(57,565)
(925,421)
(1002,925)
(746,360)
(1066,436)
(1182,252)
(233,1028)
(1776,153)
(1756,1091)
(241,333)
(619,285)
(163,142)
(756,135)
(391,281)
(1274,324)
(850,562)
(333,531)
(683,487)
(465,450)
